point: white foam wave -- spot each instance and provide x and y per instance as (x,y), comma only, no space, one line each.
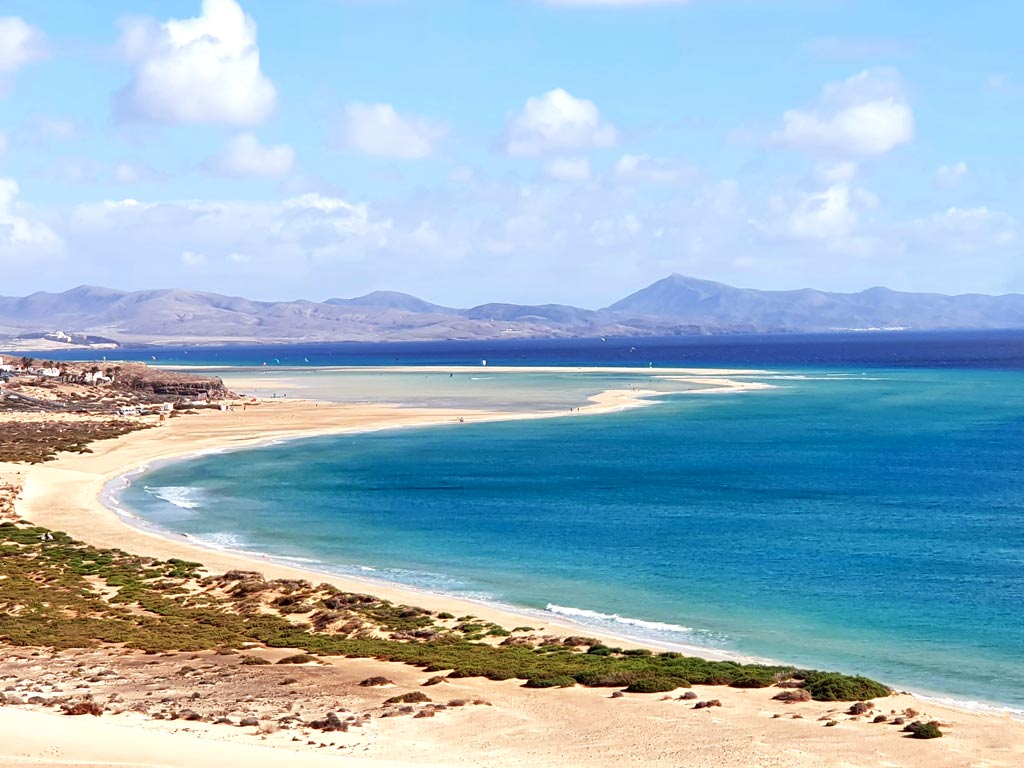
(614,618)
(221,540)
(181,496)
(972,705)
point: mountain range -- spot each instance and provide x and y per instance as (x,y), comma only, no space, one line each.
(673,305)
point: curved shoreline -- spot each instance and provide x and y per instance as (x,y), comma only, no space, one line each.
(607,401)
(66,494)
(553,620)
(79,481)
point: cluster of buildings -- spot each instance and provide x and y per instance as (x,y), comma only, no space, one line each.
(17,367)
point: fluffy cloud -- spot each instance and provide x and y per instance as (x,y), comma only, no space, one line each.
(193,259)
(20,44)
(966,230)
(502,240)
(950,175)
(19,236)
(557,121)
(830,212)
(135,173)
(647,168)
(379,130)
(292,231)
(824,215)
(243,155)
(866,114)
(201,70)
(568,169)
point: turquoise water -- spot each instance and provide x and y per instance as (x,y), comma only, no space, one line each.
(870,523)
(434,387)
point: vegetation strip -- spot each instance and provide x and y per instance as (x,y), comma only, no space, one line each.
(62,593)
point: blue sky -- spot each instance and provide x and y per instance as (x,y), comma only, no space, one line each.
(510,150)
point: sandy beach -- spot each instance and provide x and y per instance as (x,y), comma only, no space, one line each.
(518,727)
(65,494)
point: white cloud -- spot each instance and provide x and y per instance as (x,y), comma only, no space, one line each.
(243,155)
(866,114)
(135,173)
(201,70)
(232,244)
(3,143)
(950,175)
(647,168)
(967,230)
(557,121)
(20,236)
(379,130)
(192,259)
(20,44)
(838,173)
(832,215)
(824,216)
(567,169)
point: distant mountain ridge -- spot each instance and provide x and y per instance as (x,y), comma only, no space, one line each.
(810,310)
(673,305)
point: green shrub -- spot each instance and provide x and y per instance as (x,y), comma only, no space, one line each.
(371,682)
(563,681)
(637,652)
(750,678)
(298,658)
(832,686)
(656,685)
(413,697)
(154,613)
(919,730)
(254,661)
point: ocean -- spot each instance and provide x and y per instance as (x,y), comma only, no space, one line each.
(863,515)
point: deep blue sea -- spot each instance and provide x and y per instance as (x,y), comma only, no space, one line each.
(866,514)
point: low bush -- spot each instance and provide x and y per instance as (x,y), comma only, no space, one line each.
(371,682)
(656,685)
(413,697)
(298,658)
(919,730)
(792,695)
(832,686)
(562,681)
(149,612)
